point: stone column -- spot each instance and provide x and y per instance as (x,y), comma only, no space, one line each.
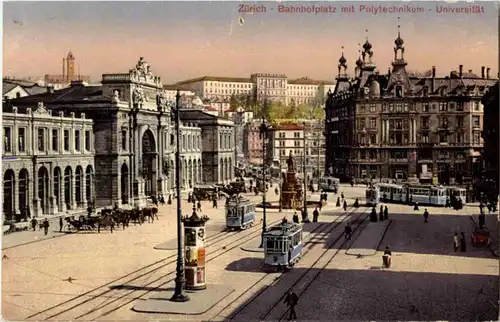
(83,189)
(414,131)
(36,199)
(73,190)
(15,195)
(62,187)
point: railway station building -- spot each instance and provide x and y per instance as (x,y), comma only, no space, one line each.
(48,162)
(134,136)
(396,125)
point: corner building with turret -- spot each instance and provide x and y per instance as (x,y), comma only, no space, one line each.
(424,129)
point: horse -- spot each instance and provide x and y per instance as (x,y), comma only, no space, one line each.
(121,217)
(105,222)
(149,212)
(136,216)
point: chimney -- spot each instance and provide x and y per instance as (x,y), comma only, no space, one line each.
(460,70)
(488,73)
(482,72)
(433,84)
(50,89)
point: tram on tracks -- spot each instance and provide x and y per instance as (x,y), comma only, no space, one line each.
(240,213)
(411,193)
(458,193)
(329,184)
(372,196)
(283,245)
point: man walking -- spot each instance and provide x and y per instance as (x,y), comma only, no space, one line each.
(291,300)
(60,224)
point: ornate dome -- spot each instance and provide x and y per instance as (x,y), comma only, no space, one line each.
(399,41)
(367,46)
(342,60)
(359,62)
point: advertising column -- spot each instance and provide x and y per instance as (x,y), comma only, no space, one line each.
(195,254)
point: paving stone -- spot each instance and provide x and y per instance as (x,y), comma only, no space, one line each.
(199,301)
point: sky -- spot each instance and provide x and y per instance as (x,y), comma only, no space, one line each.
(182,40)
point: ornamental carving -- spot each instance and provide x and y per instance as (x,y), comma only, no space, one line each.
(40,109)
(143,73)
(138,96)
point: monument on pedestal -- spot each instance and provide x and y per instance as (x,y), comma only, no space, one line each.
(291,190)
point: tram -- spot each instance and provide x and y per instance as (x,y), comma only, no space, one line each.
(458,193)
(372,196)
(411,193)
(240,213)
(329,184)
(283,245)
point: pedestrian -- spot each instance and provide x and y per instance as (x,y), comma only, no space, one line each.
(345,205)
(34,223)
(338,202)
(381,213)
(320,205)
(214,203)
(456,242)
(415,207)
(463,244)
(276,191)
(426,216)
(199,206)
(481,207)
(386,213)
(45,226)
(482,220)
(295,218)
(447,204)
(189,197)
(169,201)
(342,195)
(315,214)
(373,215)
(348,231)
(60,224)
(291,301)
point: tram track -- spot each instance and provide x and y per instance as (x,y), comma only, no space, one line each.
(308,246)
(269,311)
(145,271)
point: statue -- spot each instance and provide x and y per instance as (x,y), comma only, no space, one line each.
(133,74)
(116,96)
(149,74)
(289,162)
(138,95)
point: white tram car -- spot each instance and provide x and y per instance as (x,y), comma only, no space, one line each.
(283,245)
(372,196)
(329,184)
(410,193)
(459,193)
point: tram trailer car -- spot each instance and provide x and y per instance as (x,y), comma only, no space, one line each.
(240,213)
(329,184)
(411,193)
(283,245)
(372,196)
(459,193)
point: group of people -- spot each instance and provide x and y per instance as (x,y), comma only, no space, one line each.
(342,200)
(45,225)
(383,214)
(459,242)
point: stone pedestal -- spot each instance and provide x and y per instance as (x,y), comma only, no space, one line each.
(195,251)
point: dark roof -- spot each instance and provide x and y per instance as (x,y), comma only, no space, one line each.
(7,87)
(189,114)
(75,93)
(308,81)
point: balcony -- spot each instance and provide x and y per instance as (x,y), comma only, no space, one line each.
(398,160)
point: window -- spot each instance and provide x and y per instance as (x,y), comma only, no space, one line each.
(373,108)
(444,122)
(124,140)
(41,139)
(399,124)
(443,106)
(7,139)
(373,122)
(460,106)
(476,106)
(452,105)
(425,107)
(477,138)
(21,139)
(361,124)
(66,140)
(459,138)
(425,138)
(77,140)
(460,121)
(296,134)
(297,144)
(475,121)
(425,122)
(362,154)
(87,141)
(361,108)
(425,92)
(373,139)
(373,155)
(399,91)
(55,140)
(443,138)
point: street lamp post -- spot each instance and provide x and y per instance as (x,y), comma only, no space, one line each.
(305,218)
(263,136)
(180,280)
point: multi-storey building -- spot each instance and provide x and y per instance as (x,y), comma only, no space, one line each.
(283,140)
(252,142)
(276,87)
(314,131)
(134,134)
(170,91)
(48,161)
(490,136)
(191,156)
(70,73)
(15,88)
(397,126)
